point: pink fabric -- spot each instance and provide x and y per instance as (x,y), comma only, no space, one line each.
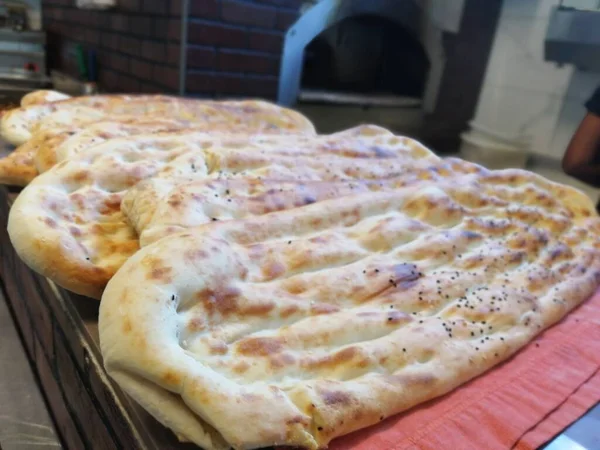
(520,404)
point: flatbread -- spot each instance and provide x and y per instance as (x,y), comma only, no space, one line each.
(50,133)
(43,96)
(165,205)
(68,226)
(17,168)
(295,327)
(18,124)
(59,143)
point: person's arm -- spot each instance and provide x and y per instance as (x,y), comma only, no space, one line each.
(580,158)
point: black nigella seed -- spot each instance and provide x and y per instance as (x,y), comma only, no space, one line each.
(477,348)
(404,350)
(172,297)
(472,333)
(320,428)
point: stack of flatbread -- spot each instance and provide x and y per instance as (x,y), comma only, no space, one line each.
(263,285)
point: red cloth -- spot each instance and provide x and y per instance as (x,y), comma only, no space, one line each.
(520,404)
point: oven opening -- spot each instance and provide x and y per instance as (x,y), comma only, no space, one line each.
(365,56)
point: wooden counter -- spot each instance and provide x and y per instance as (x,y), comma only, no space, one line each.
(60,334)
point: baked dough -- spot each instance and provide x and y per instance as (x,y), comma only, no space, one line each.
(295,327)
(59,143)
(68,226)
(17,124)
(43,96)
(55,135)
(165,205)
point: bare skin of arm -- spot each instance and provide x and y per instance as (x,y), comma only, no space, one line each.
(578,161)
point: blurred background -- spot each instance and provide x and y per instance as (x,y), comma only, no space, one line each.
(501,82)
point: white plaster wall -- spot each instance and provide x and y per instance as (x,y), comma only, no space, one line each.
(522,93)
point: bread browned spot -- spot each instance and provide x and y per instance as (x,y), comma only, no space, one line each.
(222,300)
(127,327)
(171,378)
(218,348)
(259,346)
(280,360)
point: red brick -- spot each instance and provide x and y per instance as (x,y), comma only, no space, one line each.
(285,19)
(92,36)
(119,22)
(173,53)
(166,76)
(142,26)
(205,9)
(154,51)
(160,27)
(240,61)
(118,62)
(248,14)
(129,45)
(110,40)
(128,84)
(219,35)
(80,16)
(175,8)
(292,4)
(108,80)
(129,5)
(201,57)
(58,14)
(140,69)
(174,30)
(200,82)
(69,15)
(266,42)
(230,84)
(263,87)
(150,88)
(155,6)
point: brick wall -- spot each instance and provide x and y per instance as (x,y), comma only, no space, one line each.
(137,43)
(234,46)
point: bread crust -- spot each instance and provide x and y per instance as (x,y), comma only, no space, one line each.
(310,323)
(67,224)
(48,133)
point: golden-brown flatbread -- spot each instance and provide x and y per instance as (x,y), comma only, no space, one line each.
(43,96)
(59,130)
(67,224)
(295,327)
(17,125)
(59,143)
(165,205)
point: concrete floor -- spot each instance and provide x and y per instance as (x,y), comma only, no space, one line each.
(25,422)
